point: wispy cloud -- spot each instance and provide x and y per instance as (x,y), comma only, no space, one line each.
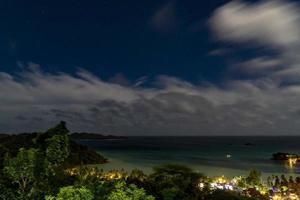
(267,27)
(260,65)
(35,100)
(273,23)
(164,19)
(219,52)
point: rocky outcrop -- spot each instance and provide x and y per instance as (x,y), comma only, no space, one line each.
(284,156)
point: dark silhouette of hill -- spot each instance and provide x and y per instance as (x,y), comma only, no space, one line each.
(79,154)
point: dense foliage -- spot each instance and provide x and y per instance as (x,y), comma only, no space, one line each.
(72,193)
(78,154)
(41,169)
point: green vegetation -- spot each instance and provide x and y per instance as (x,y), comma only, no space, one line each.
(43,167)
(78,154)
(128,192)
(21,170)
(72,193)
(175,182)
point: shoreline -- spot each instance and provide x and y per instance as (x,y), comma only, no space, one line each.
(212,171)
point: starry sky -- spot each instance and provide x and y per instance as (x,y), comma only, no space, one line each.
(151,67)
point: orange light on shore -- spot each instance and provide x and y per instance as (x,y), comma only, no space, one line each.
(292,162)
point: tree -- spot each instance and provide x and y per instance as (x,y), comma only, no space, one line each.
(72,193)
(175,182)
(59,129)
(34,170)
(20,170)
(291,180)
(254,178)
(130,192)
(58,149)
(41,139)
(137,174)
(284,181)
(3,152)
(94,180)
(138,178)
(277,181)
(241,181)
(227,195)
(7,193)
(297,179)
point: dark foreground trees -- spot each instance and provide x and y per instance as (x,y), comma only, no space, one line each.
(31,170)
(72,193)
(20,170)
(175,182)
(227,195)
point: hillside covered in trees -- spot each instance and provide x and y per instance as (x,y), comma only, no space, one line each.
(79,154)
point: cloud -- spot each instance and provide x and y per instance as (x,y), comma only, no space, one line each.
(269,32)
(219,52)
(164,19)
(260,65)
(140,81)
(31,87)
(120,79)
(35,100)
(268,29)
(291,74)
(272,23)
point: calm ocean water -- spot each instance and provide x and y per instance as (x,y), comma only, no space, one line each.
(204,154)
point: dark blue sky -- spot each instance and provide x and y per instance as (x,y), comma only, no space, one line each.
(111,36)
(151,67)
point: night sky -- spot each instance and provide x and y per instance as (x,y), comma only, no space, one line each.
(151,67)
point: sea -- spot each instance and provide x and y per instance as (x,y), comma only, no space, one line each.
(213,156)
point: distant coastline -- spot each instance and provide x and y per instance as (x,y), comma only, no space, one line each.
(94,136)
(77,136)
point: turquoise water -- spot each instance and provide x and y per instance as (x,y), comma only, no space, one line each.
(204,154)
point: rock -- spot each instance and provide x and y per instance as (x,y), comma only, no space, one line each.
(283,156)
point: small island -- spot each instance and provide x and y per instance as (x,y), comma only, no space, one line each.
(291,159)
(284,156)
